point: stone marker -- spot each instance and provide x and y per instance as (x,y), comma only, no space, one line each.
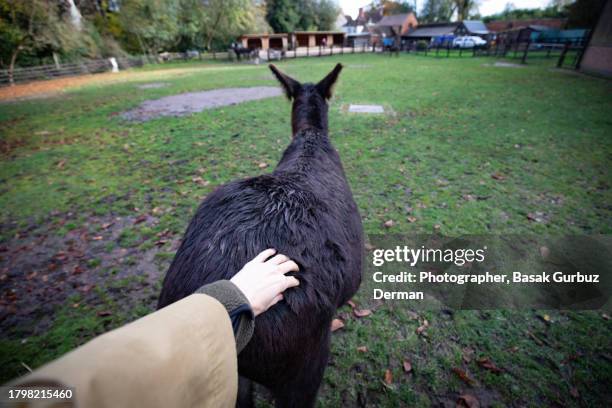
(366,109)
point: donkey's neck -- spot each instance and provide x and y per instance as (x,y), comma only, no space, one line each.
(310,151)
(306,116)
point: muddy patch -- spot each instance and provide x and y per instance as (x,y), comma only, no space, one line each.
(40,271)
(193,102)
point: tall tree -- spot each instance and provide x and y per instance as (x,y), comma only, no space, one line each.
(154,23)
(435,11)
(283,15)
(30,27)
(465,8)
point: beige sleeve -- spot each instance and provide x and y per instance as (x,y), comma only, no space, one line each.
(183,355)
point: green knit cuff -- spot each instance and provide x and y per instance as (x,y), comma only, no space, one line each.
(231,297)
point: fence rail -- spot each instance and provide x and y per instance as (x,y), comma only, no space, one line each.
(64,70)
(568,55)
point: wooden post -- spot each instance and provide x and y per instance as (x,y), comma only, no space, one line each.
(461,50)
(562,56)
(319,50)
(524,59)
(447,50)
(331,49)
(353,47)
(308,51)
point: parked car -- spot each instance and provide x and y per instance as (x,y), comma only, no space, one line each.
(470,41)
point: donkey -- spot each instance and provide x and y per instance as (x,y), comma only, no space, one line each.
(305,210)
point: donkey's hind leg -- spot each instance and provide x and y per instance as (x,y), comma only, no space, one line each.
(245,393)
(301,391)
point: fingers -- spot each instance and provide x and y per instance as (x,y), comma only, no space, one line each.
(291,282)
(264,255)
(278,259)
(288,266)
(276,299)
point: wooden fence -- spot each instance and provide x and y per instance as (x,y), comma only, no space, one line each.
(71,69)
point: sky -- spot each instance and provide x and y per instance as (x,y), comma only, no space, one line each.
(486,7)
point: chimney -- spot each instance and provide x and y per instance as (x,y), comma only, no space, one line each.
(361,15)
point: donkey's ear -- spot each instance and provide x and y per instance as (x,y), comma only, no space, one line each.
(326,85)
(290,85)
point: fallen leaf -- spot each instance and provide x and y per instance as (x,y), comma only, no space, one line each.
(86,288)
(487,364)
(351,304)
(362,349)
(421,330)
(468,401)
(106,225)
(407,366)
(468,354)
(77,270)
(103,313)
(498,176)
(536,217)
(362,312)
(336,324)
(61,164)
(544,252)
(157,210)
(463,376)
(469,197)
(605,316)
(545,318)
(411,218)
(140,219)
(262,165)
(31,275)
(200,181)
(97,238)
(388,377)
(389,224)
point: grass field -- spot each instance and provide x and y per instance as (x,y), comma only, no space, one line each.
(92,208)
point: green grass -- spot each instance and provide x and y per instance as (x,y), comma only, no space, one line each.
(453,123)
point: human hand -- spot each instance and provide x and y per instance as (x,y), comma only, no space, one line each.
(263,280)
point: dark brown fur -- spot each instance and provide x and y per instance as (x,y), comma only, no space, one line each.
(305,210)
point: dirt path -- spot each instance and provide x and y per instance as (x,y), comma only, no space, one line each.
(192,102)
(46,88)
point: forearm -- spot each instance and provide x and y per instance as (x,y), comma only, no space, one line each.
(180,355)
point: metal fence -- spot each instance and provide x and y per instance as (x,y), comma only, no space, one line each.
(567,54)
